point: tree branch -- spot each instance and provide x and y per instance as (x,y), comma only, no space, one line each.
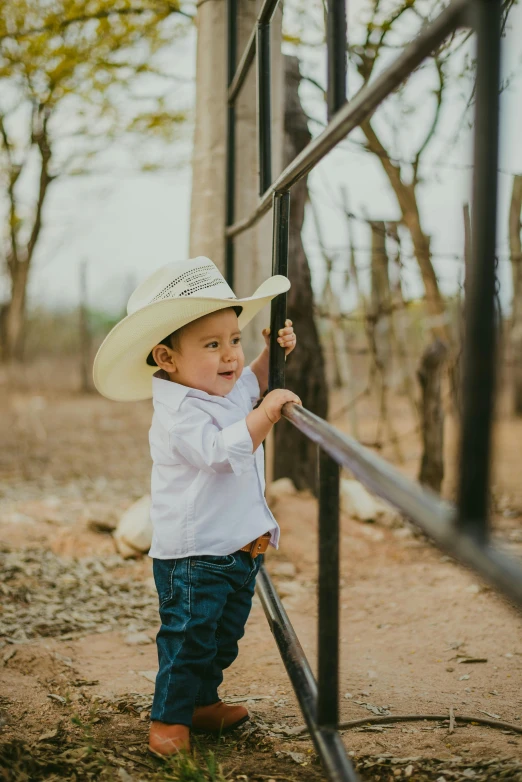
(369,51)
(439,93)
(40,137)
(315,83)
(393,172)
(63,24)
(12,174)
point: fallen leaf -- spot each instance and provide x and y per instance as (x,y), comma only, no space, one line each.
(65,660)
(297,757)
(51,734)
(58,698)
(380,710)
(74,755)
(8,655)
(85,682)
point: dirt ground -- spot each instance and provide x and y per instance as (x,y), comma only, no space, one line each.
(420,634)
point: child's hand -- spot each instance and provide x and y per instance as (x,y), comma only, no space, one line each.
(287,338)
(274,401)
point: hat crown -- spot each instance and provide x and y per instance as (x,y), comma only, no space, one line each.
(193,277)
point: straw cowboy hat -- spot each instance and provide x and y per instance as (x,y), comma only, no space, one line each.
(173,296)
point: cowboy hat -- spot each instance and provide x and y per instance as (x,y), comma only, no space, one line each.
(173,296)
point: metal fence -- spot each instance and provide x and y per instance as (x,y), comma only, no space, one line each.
(461,530)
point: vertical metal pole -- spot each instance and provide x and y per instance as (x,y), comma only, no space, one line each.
(336,46)
(480,337)
(264,107)
(281,222)
(230,178)
(328,624)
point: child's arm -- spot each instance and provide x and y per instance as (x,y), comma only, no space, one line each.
(259,365)
(260,421)
(195,439)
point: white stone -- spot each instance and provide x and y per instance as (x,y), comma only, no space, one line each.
(289,589)
(149,675)
(282,569)
(137,639)
(133,534)
(357,502)
(283,487)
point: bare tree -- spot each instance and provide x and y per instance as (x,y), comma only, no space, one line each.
(384,24)
(68,75)
(404,176)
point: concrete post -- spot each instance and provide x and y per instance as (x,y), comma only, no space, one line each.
(253,249)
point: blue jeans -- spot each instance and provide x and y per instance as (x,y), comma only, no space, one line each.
(204,602)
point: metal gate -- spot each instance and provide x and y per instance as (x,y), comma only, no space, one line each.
(461,530)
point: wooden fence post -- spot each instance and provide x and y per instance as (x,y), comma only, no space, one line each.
(381,300)
(85,335)
(515,247)
(432,415)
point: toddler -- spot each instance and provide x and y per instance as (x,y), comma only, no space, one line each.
(211,523)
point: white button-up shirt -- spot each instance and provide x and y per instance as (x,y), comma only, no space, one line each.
(207,487)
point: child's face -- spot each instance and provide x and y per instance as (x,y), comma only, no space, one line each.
(210,355)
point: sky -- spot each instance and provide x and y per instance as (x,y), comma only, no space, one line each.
(125,225)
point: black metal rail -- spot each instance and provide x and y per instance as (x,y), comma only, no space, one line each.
(462,530)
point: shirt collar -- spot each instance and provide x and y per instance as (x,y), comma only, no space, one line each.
(166,391)
(172,394)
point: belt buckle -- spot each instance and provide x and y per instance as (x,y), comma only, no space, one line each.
(255,546)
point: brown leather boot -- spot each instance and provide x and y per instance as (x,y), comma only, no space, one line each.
(218,717)
(165,739)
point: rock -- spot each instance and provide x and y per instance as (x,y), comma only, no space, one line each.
(297,757)
(150,584)
(124,776)
(101,525)
(289,589)
(126,551)
(149,675)
(357,502)
(18,518)
(403,532)
(282,569)
(133,535)
(475,589)
(137,639)
(283,487)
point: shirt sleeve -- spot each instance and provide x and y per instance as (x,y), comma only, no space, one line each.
(250,384)
(196,440)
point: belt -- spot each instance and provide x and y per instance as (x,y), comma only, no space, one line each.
(257,546)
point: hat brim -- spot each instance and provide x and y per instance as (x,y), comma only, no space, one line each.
(120,370)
